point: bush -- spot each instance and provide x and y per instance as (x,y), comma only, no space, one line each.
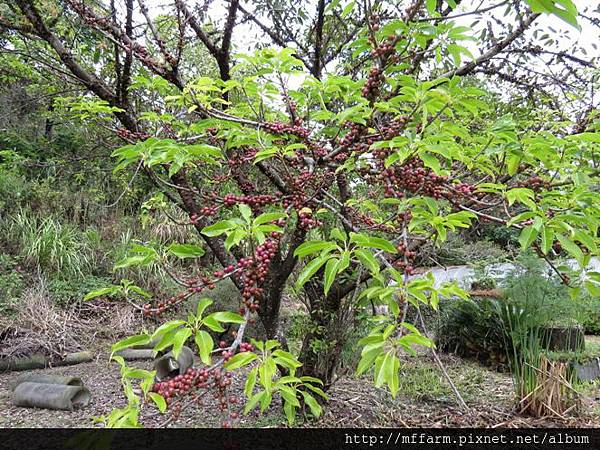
(457,250)
(12,281)
(486,328)
(473,328)
(66,292)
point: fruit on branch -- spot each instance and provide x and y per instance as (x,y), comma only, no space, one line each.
(254,201)
(306,219)
(286,128)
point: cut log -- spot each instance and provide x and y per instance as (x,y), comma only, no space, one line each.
(51,396)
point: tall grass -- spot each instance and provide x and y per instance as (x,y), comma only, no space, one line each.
(532,303)
(49,244)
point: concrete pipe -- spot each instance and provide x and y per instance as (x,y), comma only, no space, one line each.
(35,361)
(133,354)
(44,378)
(51,396)
(168,366)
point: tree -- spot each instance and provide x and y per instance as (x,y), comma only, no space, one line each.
(389,142)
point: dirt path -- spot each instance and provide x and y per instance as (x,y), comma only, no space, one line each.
(424,400)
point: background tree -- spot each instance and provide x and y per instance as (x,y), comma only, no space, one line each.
(370,132)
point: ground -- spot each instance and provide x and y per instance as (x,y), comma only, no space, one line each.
(424,400)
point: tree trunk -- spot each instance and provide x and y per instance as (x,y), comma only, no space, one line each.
(322,346)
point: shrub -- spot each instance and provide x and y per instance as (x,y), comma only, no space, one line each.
(458,250)
(68,291)
(591,315)
(483,328)
(12,281)
(472,328)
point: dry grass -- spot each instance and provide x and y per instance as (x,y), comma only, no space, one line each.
(553,395)
(38,326)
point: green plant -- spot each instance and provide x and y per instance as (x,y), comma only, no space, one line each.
(542,386)
(66,292)
(590,315)
(49,244)
(472,328)
(12,281)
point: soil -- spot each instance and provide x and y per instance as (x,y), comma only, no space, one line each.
(353,402)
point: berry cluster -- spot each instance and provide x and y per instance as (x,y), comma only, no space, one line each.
(393,128)
(127,135)
(254,201)
(464,189)
(371,89)
(412,176)
(352,136)
(246,347)
(163,305)
(181,384)
(385,48)
(404,266)
(408,254)
(535,183)
(286,128)
(209,210)
(371,223)
(307,221)
(255,272)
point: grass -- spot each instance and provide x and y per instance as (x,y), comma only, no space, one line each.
(49,244)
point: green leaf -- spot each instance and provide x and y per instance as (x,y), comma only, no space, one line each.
(159,401)
(310,269)
(290,412)
(250,382)
(166,327)
(240,360)
(111,290)
(330,273)
(205,346)
(186,250)
(179,340)
(387,372)
(212,323)
(310,247)
(368,260)
(289,395)
(268,217)
(372,242)
(202,305)
(314,406)
(218,228)
(527,236)
(130,342)
(245,211)
(368,356)
(253,402)
(286,359)
(136,260)
(572,248)
(547,235)
(227,317)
